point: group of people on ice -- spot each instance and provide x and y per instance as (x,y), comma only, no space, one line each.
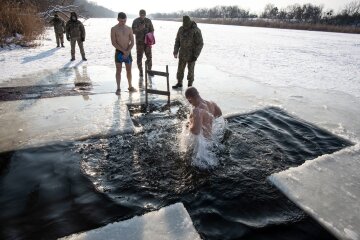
(187,48)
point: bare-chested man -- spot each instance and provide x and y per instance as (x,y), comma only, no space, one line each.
(123,40)
(203,113)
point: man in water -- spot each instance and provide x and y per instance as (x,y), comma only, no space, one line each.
(188,44)
(203,113)
(141,26)
(123,40)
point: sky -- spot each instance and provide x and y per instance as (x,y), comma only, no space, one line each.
(167,6)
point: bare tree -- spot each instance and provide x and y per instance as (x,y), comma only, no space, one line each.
(352,8)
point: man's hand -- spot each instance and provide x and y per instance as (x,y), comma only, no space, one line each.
(83,39)
(68,38)
(175,55)
(194,59)
(142,26)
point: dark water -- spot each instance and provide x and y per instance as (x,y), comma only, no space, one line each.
(53,191)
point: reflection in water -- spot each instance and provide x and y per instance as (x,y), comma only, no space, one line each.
(53,191)
(82,82)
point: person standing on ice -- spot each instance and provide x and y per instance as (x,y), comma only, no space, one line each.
(59,28)
(75,32)
(142,26)
(188,45)
(203,113)
(122,39)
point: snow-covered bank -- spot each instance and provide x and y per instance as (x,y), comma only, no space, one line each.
(313,75)
(314,60)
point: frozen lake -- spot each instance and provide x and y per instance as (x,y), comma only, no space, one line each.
(312,75)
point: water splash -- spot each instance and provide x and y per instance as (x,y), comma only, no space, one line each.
(203,150)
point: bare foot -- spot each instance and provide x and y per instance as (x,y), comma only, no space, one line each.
(117,92)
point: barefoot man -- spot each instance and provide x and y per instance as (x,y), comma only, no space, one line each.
(203,113)
(123,40)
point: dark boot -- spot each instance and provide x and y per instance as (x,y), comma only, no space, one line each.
(84,59)
(62,45)
(72,59)
(178,85)
(190,83)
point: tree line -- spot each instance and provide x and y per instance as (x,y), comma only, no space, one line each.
(306,13)
(23,21)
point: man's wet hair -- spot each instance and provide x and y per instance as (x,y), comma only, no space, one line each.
(191,92)
(121,15)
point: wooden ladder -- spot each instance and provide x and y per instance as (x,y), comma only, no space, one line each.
(153,91)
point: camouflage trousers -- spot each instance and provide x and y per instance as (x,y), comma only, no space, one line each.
(140,50)
(59,38)
(81,46)
(181,69)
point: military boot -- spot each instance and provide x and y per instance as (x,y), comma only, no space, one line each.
(178,85)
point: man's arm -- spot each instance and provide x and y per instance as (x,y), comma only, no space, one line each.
(199,43)
(82,31)
(195,124)
(177,43)
(68,31)
(131,41)
(136,26)
(217,111)
(151,29)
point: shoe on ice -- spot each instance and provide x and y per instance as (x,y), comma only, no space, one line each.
(72,59)
(132,89)
(176,86)
(84,59)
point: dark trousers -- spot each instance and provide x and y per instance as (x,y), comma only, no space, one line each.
(181,69)
(81,46)
(141,48)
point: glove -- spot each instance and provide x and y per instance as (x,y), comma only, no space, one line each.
(194,59)
(68,38)
(83,39)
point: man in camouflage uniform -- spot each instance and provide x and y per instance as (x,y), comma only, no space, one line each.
(59,27)
(75,32)
(141,26)
(188,44)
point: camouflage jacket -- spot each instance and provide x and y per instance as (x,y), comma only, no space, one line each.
(75,29)
(140,34)
(188,42)
(59,25)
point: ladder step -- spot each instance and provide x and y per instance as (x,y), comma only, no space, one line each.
(164,74)
(152,91)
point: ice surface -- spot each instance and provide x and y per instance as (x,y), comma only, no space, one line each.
(312,75)
(328,189)
(172,223)
(35,122)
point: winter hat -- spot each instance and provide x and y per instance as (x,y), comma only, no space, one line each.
(142,12)
(186,21)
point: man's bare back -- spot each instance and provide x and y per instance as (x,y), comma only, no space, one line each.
(202,116)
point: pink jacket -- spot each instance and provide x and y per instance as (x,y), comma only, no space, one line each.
(150,39)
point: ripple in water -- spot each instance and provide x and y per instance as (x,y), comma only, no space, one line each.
(228,197)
